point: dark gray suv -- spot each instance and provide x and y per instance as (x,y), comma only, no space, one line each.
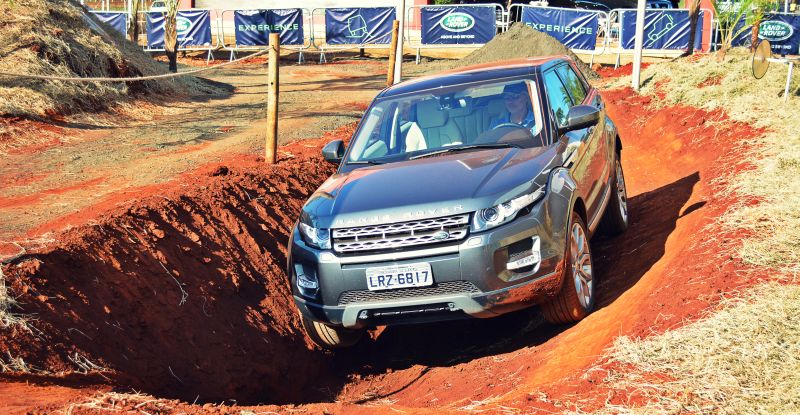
(470,193)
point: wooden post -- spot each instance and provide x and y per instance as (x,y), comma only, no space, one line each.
(272,99)
(392,53)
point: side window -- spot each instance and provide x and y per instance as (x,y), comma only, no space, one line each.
(573,83)
(557,96)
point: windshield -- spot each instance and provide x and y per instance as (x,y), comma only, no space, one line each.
(476,115)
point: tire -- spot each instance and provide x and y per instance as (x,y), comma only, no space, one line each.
(615,218)
(570,306)
(330,337)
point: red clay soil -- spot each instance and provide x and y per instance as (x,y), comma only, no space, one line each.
(608,71)
(111,291)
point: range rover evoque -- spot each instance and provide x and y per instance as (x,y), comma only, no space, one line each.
(470,193)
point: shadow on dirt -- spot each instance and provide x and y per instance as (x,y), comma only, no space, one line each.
(620,263)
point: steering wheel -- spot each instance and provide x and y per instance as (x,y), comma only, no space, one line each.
(509,124)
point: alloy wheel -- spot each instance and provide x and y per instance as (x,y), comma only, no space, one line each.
(622,194)
(581,265)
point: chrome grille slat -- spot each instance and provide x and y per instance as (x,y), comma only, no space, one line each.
(442,288)
(399,235)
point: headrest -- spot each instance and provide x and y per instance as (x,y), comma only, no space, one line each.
(496,107)
(430,115)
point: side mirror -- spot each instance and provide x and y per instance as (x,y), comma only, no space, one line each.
(333,151)
(581,116)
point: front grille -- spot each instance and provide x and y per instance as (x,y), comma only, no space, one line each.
(399,235)
(442,288)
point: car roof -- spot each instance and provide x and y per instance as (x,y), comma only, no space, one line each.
(474,73)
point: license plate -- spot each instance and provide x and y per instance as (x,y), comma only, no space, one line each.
(399,276)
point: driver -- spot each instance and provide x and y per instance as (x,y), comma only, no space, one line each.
(518,104)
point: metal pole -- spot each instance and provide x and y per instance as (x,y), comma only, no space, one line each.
(393,54)
(398,62)
(638,44)
(271,147)
(788,82)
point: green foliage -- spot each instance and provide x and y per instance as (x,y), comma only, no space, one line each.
(730,13)
(444,1)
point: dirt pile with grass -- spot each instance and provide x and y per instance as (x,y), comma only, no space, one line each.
(182,294)
(521,41)
(770,191)
(49,37)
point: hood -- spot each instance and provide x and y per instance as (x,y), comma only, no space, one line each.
(428,187)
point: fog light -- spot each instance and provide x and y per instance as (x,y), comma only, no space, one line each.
(474,241)
(306,283)
(533,257)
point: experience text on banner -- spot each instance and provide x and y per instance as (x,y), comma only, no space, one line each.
(254,26)
(576,29)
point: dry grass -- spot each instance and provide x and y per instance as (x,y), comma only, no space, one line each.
(775,222)
(7,304)
(743,359)
(49,37)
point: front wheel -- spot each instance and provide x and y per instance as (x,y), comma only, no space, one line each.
(576,298)
(615,218)
(330,337)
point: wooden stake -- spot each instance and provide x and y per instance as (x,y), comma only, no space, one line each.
(272,99)
(392,53)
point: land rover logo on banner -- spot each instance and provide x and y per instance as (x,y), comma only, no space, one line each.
(182,24)
(457,22)
(775,30)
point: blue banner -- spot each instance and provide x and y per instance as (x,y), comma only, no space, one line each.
(576,29)
(194,29)
(782,31)
(359,26)
(663,29)
(117,20)
(254,26)
(457,25)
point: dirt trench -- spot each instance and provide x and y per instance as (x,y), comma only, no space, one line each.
(111,292)
(180,295)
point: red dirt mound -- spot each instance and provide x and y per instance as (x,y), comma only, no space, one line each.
(181,294)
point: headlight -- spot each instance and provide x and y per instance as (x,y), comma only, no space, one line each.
(318,238)
(505,212)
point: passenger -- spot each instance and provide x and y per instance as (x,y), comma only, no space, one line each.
(518,104)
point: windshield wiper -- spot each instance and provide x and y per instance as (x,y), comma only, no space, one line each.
(373,162)
(462,148)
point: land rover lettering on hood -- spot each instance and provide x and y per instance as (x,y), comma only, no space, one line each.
(471,193)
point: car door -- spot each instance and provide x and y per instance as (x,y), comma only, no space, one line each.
(580,142)
(595,139)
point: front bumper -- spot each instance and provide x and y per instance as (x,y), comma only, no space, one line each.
(480,260)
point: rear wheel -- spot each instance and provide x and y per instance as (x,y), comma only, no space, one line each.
(576,298)
(615,218)
(330,337)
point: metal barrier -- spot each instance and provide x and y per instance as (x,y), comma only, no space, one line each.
(322,46)
(210,48)
(415,42)
(615,22)
(234,47)
(602,27)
